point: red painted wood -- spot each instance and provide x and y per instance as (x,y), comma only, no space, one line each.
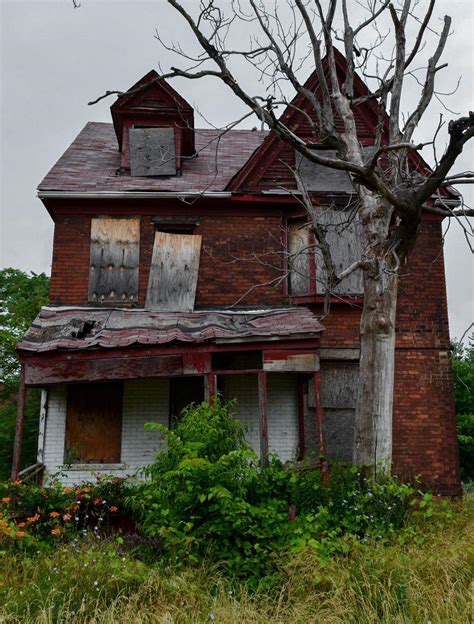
(196,363)
(263,416)
(20,421)
(74,370)
(210,387)
(301,431)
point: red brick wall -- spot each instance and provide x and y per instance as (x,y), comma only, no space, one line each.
(424,441)
(234,260)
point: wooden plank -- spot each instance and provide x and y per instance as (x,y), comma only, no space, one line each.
(152,152)
(19,426)
(317,178)
(100,369)
(319,415)
(301,428)
(298,258)
(114,260)
(174,272)
(263,417)
(94,423)
(342,236)
(281,361)
(210,387)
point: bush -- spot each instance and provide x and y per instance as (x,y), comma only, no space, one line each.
(208,496)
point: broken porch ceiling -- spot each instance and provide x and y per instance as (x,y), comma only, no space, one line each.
(83,328)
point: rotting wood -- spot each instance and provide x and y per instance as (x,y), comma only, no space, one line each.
(152,152)
(263,416)
(342,236)
(19,426)
(280,361)
(174,272)
(101,369)
(317,178)
(94,423)
(210,387)
(114,261)
(298,258)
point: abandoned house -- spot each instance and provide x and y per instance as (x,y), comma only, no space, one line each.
(172,279)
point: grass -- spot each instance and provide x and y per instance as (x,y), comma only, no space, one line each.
(425,577)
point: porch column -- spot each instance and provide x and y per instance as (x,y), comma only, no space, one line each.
(319,426)
(20,421)
(263,416)
(301,431)
(210,386)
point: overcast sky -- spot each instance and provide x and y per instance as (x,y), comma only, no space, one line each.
(56,58)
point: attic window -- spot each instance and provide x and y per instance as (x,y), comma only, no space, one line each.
(152,152)
(317,178)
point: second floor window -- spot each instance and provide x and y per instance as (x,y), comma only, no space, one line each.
(114,258)
(307,274)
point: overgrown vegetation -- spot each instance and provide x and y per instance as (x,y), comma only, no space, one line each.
(463,381)
(21,297)
(222,539)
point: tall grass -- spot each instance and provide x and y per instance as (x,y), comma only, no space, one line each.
(425,577)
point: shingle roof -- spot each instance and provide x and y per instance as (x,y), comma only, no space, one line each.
(92,163)
(84,328)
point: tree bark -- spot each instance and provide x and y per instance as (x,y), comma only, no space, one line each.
(373,428)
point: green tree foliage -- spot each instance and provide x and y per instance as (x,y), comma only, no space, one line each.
(21,297)
(463,380)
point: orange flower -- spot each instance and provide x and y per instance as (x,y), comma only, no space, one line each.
(6,499)
(86,489)
(98,501)
(21,524)
(74,506)
(17,482)
(34,518)
(67,517)
(20,534)
(54,514)
(56,531)
(113,508)
(67,490)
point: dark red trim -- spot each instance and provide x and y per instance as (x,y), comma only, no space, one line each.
(210,386)
(263,416)
(20,421)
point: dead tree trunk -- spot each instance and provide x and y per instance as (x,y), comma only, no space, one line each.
(373,435)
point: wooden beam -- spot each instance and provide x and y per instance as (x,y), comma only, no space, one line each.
(72,370)
(263,416)
(210,386)
(320,428)
(301,431)
(20,421)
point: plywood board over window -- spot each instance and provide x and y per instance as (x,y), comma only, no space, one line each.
(317,178)
(174,272)
(299,258)
(343,238)
(152,152)
(114,258)
(94,423)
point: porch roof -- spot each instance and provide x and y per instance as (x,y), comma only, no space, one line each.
(80,328)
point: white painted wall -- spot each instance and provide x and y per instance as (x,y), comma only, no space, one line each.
(148,401)
(282,411)
(143,401)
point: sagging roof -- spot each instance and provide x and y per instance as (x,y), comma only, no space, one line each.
(92,163)
(84,328)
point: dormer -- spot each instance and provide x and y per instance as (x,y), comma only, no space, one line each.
(154,127)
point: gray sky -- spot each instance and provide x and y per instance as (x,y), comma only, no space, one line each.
(54,59)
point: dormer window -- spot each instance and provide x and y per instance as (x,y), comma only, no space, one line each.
(152,152)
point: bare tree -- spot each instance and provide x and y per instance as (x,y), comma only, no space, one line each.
(391,191)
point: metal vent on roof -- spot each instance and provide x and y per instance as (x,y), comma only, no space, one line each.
(152,152)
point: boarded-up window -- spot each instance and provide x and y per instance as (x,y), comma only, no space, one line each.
(342,236)
(307,272)
(338,396)
(114,257)
(299,258)
(173,272)
(323,179)
(152,152)
(94,423)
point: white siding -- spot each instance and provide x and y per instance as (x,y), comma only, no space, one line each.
(143,401)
